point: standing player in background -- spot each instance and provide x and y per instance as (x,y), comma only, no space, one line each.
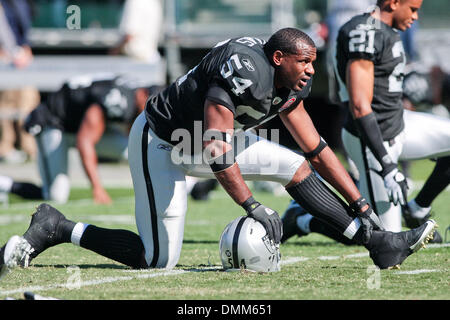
(237,86)
(379,132)
(93,114)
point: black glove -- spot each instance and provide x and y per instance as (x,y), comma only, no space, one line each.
(369,219)
(267,217)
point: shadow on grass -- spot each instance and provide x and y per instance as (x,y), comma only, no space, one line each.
(201,241)
(316,244)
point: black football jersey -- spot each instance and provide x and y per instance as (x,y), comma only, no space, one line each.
(115,95)
(417,88)
(236,74)
(364,37)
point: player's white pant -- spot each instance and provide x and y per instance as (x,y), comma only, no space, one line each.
(53,149)
(425,136)
(160,186)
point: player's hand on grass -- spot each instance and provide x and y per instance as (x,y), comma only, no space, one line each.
(101,196)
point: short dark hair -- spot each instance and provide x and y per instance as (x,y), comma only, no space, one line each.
(287,40)
(381,2)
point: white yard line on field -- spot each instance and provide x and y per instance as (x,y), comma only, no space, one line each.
(79,202)
(151,273)
(92,282)
(417,271)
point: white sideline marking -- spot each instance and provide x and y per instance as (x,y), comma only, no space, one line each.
(292,260)
(328,257)
(438,245)
(6,219)
(417,271)
(349,256)
(87,201)
(95,282)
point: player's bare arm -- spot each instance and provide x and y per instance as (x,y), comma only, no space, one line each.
(91,130)
(360,81)
(299,124)
(220,118)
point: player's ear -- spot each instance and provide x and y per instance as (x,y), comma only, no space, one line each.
(393,4)
(277,56)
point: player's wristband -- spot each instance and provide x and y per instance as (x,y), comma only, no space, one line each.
(223,162)
(317,150)
(358,204)
(250,204)
(371,136)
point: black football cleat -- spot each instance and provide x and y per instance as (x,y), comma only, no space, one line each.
(412,222)
(46,229)
(289,219)
(389,249)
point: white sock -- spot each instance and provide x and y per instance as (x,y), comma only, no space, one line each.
(418,211)
(303,222)
(352,228)
(190,183)
(77,233)
(6,183)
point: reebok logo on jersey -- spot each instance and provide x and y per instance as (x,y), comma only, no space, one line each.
(165,147)
(248,65)
(269,211)
(287,104)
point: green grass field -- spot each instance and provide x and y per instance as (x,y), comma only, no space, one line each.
(314,267)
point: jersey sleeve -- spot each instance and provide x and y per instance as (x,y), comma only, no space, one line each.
(218,94)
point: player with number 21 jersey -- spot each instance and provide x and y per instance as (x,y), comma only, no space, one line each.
(364,37)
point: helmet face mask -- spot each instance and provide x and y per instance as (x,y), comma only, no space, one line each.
(244,244)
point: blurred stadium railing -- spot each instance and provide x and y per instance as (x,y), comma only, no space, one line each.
(195,25)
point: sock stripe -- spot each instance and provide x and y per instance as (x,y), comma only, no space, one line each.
(77,233)
(352,228)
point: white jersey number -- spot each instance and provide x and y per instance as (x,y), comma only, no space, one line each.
(362,41)
(240,84)
(396,77)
